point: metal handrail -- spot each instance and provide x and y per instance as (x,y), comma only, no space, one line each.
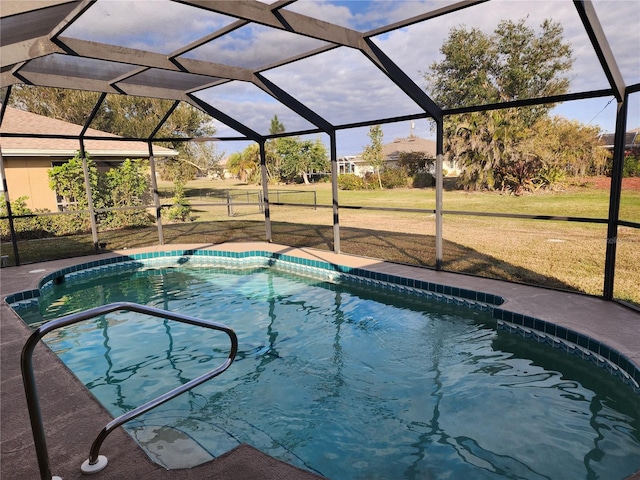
(29,381)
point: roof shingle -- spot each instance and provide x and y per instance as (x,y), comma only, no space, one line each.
(19,121)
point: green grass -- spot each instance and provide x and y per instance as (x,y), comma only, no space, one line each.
(566,255)
(577,201)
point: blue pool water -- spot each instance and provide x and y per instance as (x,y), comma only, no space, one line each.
(345,381)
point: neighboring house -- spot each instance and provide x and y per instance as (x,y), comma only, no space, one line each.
(223,173)
(392,151)
(631,140)
(27,160)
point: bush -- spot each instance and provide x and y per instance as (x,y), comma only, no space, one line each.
(371,181)
(128,186)
(39,226)
(423,180)
(70,224)
(394,178)
(390,178)
(127,218)
(350,181)
(180,211)
(631,166)
(25,228)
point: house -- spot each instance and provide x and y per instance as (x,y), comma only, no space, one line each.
(631,140)
(392,153)
(28,159)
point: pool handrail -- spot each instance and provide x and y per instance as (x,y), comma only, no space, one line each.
(97,462)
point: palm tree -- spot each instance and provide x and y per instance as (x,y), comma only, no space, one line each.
(246,164)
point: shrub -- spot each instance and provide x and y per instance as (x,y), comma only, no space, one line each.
(180,211)
(631,166)
(423,180)
(25,228)
(350,181)
(128,187)
(371,181)
(394,178)
(70,224)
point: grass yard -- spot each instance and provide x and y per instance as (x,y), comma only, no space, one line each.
(567,255)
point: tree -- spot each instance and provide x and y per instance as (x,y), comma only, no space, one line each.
(123,115)
(415,162)
(67,180)
(484,144)
(372,153)
(273,159)
(276,126)
(196,157)
(300,157)
(513,63)
(246,164)
(72,106)
(290,158)
(569,147)
(463,78)
(128,186)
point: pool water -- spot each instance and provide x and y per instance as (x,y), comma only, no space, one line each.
(344,381)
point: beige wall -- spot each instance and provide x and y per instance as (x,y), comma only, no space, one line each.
(27,176)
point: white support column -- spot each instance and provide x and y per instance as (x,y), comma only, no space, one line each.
(439,191)
(5,191)
(265,190)
(87,184)
(334,192)
(156,197)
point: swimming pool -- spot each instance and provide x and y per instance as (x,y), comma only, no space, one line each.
(343,380)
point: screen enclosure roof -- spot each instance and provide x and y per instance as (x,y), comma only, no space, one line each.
(319,65)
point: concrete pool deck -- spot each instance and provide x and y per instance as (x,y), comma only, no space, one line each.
(72,417)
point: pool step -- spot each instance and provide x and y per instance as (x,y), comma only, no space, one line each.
(170,447)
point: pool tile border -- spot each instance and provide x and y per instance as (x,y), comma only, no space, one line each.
(541,331)
(584,347)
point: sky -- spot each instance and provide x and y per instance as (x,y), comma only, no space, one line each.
(341,84)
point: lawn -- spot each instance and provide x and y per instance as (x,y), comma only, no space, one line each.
(567,255)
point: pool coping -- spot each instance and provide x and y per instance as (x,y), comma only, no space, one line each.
(608,323)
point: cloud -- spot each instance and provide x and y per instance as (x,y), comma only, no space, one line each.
(363,15)
(620,20)
(343,87)
(324,10)
(251,106)
(255,46)
(159,26)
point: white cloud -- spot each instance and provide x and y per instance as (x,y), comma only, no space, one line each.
(343,87)
(157,25)
(620,20)
(255,46)
(251,106)
(365,15)
(324,10)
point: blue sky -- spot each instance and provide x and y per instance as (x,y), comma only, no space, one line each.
(344,87)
